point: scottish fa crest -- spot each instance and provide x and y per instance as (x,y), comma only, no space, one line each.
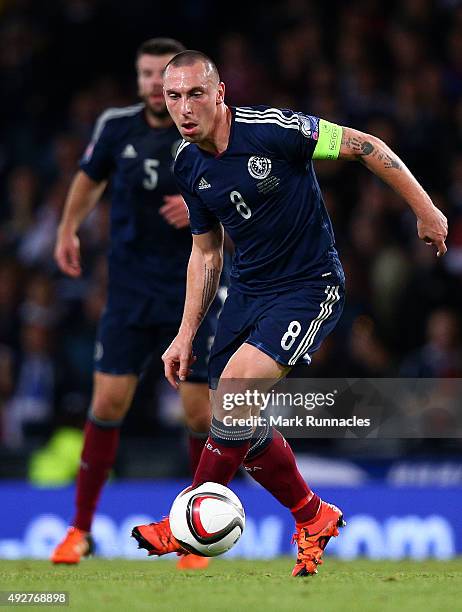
(259,167)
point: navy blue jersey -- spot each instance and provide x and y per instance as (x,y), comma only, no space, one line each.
(147,254)
(264,191)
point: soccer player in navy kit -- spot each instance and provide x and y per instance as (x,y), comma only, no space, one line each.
(249,171)
(149,252)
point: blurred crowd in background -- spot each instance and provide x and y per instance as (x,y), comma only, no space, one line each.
(393,69)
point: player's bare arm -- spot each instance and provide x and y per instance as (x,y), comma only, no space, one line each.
(204,270)
(83,196)
(432,226)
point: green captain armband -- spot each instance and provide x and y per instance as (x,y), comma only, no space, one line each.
(329,140)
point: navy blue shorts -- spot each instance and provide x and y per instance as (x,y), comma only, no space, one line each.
(125,346)
(288,326)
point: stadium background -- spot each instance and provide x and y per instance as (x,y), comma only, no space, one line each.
(393,69)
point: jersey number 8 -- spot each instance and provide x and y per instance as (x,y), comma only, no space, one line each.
(291,334)
(240,205)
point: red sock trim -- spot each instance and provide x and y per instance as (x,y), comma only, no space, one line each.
(307,514)
(302,502)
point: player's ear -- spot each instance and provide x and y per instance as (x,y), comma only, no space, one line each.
(221,93)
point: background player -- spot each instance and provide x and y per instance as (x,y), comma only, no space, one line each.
(249,170)
(147,269)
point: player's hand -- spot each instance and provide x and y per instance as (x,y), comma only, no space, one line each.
(178,359)
(67,253)
(174,211)
(433,229)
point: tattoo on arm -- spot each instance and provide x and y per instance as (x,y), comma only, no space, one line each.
(391,162)
(367,148)
(210,284)
(388,161)
(351,142)
(364,148)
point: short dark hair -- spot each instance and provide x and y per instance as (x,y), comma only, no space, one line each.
(159,46)
(190,57)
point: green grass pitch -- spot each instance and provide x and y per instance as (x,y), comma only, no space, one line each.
(248,586)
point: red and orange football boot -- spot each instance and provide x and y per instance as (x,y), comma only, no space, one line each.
(157,538)
(312,538)
(192,562)
(75,545)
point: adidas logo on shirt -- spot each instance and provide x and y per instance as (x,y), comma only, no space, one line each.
(129,152)
(203,184)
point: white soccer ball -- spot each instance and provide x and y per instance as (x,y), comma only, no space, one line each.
(207,520)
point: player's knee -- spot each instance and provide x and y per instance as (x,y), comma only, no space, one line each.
(109,407)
